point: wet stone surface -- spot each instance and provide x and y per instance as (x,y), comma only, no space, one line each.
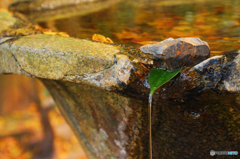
(191,129)
(108,125)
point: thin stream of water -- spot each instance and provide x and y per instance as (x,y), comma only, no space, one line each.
(150,125)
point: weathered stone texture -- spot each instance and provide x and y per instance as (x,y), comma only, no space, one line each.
(107,124)
(69,59)
(177,53)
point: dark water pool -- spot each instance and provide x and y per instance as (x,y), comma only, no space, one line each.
(135,22)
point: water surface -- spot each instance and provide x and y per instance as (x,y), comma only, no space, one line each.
(135,22)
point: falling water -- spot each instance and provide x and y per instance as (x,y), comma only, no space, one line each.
(150,125)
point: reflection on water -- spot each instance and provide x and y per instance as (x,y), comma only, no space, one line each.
(133,22)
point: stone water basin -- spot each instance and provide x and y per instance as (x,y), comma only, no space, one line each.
(104,98)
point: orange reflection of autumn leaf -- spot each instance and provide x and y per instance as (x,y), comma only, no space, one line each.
(231,39)
(128,35)
(182,28)
(133,36)
(203,27)
(213,37)
(99,37)
(10,148)
(177,33)
(163,23)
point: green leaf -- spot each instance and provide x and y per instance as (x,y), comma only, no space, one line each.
(158,77)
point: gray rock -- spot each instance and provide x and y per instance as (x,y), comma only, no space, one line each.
(177,53)
(157,49)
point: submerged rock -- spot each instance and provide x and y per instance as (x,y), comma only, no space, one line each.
(176,53)
(43,10)
(37,5)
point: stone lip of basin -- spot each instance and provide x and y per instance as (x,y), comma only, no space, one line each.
(111,67)
(70,59)
(85,79)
